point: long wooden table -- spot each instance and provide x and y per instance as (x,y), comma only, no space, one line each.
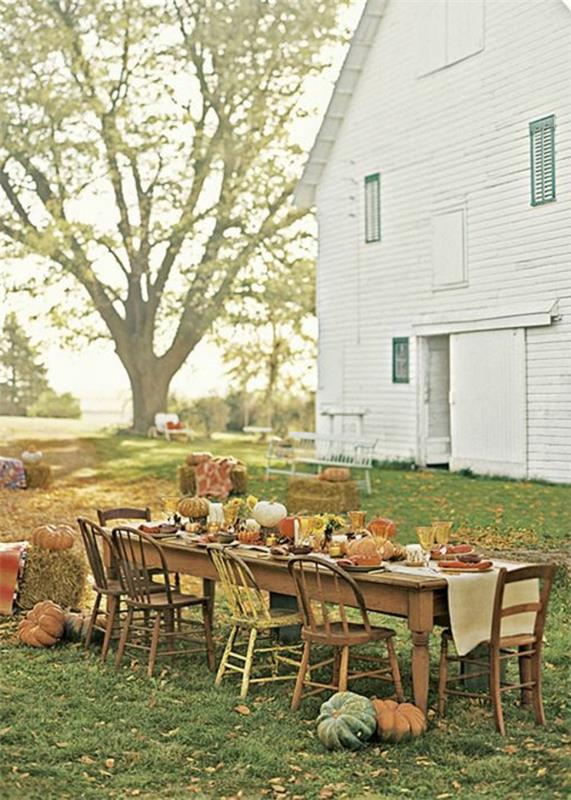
(422,601)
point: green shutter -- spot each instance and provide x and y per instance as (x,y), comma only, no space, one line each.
(401,373)
(373,208)
(542,152)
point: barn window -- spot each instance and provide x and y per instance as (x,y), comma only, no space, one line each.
(542,151)
(400,360)
(373,208)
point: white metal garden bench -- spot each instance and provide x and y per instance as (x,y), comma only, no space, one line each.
(312,449)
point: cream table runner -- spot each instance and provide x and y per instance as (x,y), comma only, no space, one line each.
(471,603)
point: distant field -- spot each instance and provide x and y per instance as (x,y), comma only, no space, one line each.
(42,428)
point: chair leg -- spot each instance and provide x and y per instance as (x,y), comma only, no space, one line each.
(210,651)
(112,607)
(344,669)
(524,663)
(226,655)
(154,644)
(124,637)
(536,678)
(336,664)
(92,620)
(395,671)
(248,663)
(495,690)
(296,699)
(442,676)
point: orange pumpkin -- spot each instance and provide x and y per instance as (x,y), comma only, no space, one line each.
(53,537)
(398,721)
(382,527)
(43,626)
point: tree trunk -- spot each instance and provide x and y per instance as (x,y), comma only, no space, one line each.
(149,390)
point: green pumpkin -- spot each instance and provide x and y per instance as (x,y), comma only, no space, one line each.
(346,720)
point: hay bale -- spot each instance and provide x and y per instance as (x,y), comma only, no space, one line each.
(187,479)
(58,575)
(320,497)
(38,476)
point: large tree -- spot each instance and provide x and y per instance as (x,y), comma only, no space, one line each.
(146,153)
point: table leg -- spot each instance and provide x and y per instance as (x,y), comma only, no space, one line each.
(420,621)
(209,591)
(288,634)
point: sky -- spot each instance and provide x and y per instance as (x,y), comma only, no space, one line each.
(94,373)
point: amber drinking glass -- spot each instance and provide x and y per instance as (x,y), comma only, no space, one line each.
(442,531)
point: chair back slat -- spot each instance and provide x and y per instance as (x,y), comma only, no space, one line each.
(94,537)
(106,515)
(135,568)
(311,575)
(239,586)
(544,573)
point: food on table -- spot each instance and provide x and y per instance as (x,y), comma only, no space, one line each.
(301,549)
(249,536)
(53,537)
(363,552)
(162,528)
(193,507)
(443,550)
(269,513)
(346,721)
(251,525)
(278,550)
(382,527)
(43,626)
(398,721)
(480,566)
(470,558)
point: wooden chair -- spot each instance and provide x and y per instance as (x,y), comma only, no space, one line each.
(332,627)
(105,515)
(525,647)
(94,538)
(137,557)
(250,612)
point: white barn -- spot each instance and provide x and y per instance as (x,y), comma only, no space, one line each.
(441,176)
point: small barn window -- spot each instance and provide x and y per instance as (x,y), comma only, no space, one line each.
(542,151)
(400,360)
(373,208)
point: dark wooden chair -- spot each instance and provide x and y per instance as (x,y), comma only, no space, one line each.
(105,515)
(326,623)
(94,539)
(140,558)
(526,647)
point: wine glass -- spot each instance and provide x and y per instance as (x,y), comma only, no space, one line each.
(357,520)
(442,531)
(426,535)
(305,524)
(170,505)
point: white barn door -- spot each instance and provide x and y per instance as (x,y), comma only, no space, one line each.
(488,402)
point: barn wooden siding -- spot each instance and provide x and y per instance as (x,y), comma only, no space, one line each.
(454,139)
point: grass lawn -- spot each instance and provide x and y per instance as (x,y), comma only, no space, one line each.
(72,728)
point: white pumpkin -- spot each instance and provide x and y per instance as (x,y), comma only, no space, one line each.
(269,513)
(252,525)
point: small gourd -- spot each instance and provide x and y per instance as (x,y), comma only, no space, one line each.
(398,721)
(43,626)
(269,513)
(53,537)
(346,721)
(193,507)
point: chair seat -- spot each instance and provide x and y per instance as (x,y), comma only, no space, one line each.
(354,634)
(115,589)
(178,600)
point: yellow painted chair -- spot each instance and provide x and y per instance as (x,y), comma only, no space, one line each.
(251,613)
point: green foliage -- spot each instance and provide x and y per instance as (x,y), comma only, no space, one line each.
(211,414)
(146,155)
(22,375)
(51,404)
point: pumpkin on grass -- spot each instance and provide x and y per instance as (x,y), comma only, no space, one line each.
(43,626)
(346,721)
(53,537)
(398,721)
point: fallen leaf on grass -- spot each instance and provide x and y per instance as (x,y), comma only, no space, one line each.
(541,772)
(109,763)
(87,760)
(4,731)
(244,710)
(168,734)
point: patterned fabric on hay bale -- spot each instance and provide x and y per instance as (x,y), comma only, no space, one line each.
(187,478)
(319,497)
(12,475)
